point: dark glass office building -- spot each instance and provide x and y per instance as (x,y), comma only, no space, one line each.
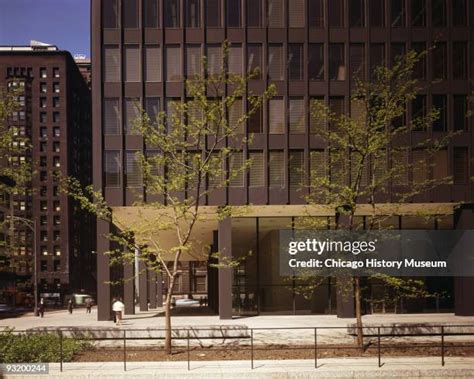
(310,49)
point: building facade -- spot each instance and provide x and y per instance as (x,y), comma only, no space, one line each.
(55,116)
(142,50)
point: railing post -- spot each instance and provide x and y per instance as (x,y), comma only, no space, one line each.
(251,348)
(60,350)
(442,345)
(315,347)
(124,351)
(378,346)
(189,365)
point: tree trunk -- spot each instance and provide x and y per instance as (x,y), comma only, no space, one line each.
(358,311)
(169,297)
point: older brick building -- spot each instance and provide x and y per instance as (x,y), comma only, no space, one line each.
(55,115)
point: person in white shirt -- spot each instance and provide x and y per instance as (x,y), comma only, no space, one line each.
(117,308)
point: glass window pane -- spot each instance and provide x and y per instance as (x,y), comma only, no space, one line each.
(357,13)
(130,14)
(377,57)
(440,61)
(110,12)
(276,168)
(275,14)
(398,13)
(440,102)
(235,60)
(337,66)
(255,122)
(460,165)
(111,64)
(460,60)
(152,108)
(357,61)
(316,13)
(336,13)
(295,61)
(460,112)
(236,164)
(459,12)
(296,14)
(254,56)
(133,172)
(131,114)
(151,15)
(192,13)
(132,64)
(214,60)
(193,61)
(254,13)
(316,61)
(113,167)
(418,13)
(213,13)
(111,117)
(438,13)
(173,64)
(419,71)
(256,171)
(276,62)
(172,16)
(152,64)
(377,13)
(296,116)
(234,12)
(296,169)
(276,116)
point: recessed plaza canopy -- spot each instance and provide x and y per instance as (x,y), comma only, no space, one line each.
(147,222)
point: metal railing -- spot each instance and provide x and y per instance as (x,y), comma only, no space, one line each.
(249,334)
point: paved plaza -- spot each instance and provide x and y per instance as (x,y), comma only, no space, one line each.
(300,369)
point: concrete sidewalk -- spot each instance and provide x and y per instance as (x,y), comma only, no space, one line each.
(327,368)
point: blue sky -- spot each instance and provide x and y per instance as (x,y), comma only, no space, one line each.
(60,22)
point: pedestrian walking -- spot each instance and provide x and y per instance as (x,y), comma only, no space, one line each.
(118,308)
(70,306)
(88,305)
(41,308)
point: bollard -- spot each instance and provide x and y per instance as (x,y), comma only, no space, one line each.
(442,345)
(378,345)
(189,365)
(251,348)
(124,351)
(315,347)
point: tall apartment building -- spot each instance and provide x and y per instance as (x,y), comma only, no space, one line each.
(55,115)
(144,49)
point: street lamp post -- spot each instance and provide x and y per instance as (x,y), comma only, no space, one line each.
(31,224)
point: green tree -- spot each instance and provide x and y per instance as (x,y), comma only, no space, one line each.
(15,162)
(198,147)
(368,161)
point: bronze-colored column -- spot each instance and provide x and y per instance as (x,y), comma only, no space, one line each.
(142,286)
(225,274)
(152,288)
(104,303)
(345,297)
(464,286)
(129,288)
(344,285)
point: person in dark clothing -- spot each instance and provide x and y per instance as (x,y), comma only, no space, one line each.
(41,308)
(69,306)
(88,305)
